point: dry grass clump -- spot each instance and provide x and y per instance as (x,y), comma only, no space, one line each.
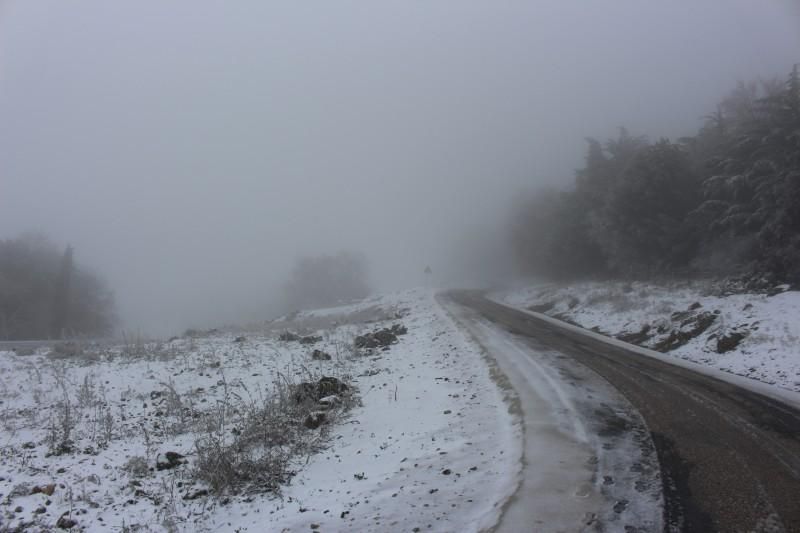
(251,445)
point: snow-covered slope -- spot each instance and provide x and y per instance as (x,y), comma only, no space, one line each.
(431,446)
(751,335)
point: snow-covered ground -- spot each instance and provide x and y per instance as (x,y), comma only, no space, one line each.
(752,335)
(429,444)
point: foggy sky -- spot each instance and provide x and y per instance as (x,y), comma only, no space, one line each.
(191,150)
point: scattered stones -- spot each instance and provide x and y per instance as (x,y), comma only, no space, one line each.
(382,338)
(640,337)
(691,325)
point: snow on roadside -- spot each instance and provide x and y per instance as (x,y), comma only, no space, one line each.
(432,446)
(750,335)
(432,449)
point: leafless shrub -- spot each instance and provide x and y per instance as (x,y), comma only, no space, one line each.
(253,449)
(87,392)
(174,408)
(107,425)
(62,426)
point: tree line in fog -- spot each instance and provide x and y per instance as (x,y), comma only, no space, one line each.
(724,202)
(45,294)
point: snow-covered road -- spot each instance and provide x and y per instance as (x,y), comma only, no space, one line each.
(729,456)
(588,461)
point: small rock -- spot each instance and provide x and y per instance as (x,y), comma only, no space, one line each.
(447,471)
(729,342)
(314,420)
(329,401)
(319,355)
(65,522)
(172,459)
(44,489)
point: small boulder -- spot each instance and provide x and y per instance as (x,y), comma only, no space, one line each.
(729,341)
(328,386)
(305,391)
(319,355)
(168,461)
(314,419)
(329,401)
(44,489)
(65,522)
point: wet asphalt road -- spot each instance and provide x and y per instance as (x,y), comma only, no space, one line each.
(730,458)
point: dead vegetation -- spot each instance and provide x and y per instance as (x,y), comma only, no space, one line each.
(211,416)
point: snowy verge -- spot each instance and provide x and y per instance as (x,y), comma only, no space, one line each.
(431,447)
(765,359)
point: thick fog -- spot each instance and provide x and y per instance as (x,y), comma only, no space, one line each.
(191,151)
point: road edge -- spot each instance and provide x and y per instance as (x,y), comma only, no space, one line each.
(790,398)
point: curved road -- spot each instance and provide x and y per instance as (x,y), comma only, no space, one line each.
(729,457)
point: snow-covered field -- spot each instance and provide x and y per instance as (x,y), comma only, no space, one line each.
(422,439)
(752,335)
